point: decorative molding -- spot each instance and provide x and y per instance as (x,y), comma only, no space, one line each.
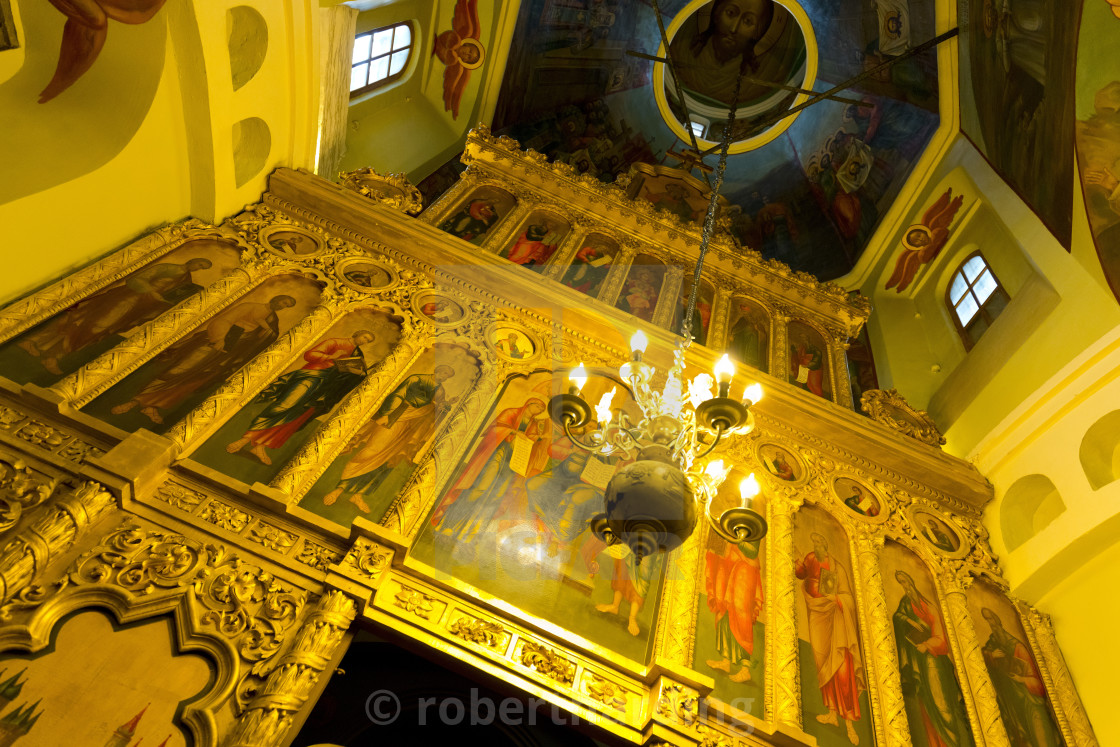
(678,704)
(46,435)
(547,661)
(391,190)
(892,410)
(481,632)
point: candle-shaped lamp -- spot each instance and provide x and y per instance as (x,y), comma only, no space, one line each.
(753,394)
(576,379)
(725,369)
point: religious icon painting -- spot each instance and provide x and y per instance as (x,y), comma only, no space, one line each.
(438,309)
(935,707)
(537,240)
(377,462)
(857,497)
(937,532)
(808,360)
(366,275)
(513,521)
(1024,704)
(165,388)
(512,343)
(748,334)
(256,442)
(643,287)
(731,615)
(833,680)
(672,190)
(291,241)
(701,315)
(590,265)
(782,463)
(89,327)
(476,217)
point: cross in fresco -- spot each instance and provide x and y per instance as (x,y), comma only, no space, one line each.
(689,159)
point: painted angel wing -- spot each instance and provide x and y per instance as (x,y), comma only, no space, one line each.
(455,79)
(465,22)
(945,217)
(81,44)
(932,212)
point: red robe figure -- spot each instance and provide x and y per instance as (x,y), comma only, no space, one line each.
(734,586)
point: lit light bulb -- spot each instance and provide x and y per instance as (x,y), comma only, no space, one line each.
(638,342)
(748,489)
(753,393)
(603,409)
(725,369)
(714,468)
(578,377)
(700,390)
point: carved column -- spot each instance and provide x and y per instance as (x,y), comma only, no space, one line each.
(316,455)
(676,618)
(82,386)
(51,535)
(616,275)
(838,354)
(562,259)
(779,357)
(255,376)
(783,680)
(668,298)
(438,211)
(1072,719)
(875,619)
(717,324)
(268,716)
(978,682)
(507,228)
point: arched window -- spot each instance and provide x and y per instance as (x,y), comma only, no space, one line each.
(976,298)
(380,56)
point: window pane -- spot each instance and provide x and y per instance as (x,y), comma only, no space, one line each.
(358,76)
(398,60)
(361,48)
(697,128)
(967,308)
(973,268)
(958,289)
(403,37)
(379,69)
(381,42)
(984,286)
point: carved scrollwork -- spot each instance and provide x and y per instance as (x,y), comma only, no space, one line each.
(392,190)
(317,556)
(272,537)
(179,496)
(225,516)
(21,488)
(368,559)
(483,632)
(604,691)
(678,704)
(548,662)
(892,410)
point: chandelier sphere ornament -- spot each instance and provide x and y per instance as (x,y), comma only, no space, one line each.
(652,504)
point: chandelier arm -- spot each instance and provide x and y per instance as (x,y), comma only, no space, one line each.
(571,437)
(706,452)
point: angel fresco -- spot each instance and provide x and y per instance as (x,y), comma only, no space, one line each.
(87,25)
(461,51)
(924,241)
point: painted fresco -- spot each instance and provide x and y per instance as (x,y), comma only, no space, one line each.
(808,363)
(861,367)
(748,337)
(935,709)
(781,463)
(167,387)
(833,678)
(257,441)
(72,338)
(857,497)
(590,265)
(90,687)
(922,242)
(673,191)
(461,52)
(730,624)
(701,315)
(537,241)
(511,343)
(1017,102)
(1020,691)
(513,522)
(813,196)
(365,478)
(643,287)
(1098,130)
(483,210)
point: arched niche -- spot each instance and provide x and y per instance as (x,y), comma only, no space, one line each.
(643,287)
(591,263)
(1100,451)
(252,142)
(248,43)
(808,360)
(475,218)
(702,316)
(748,336)
(1029,505)
(536,240)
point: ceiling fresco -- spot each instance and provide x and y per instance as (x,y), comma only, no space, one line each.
(814,193)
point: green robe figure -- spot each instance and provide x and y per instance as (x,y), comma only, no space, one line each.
(1019,689)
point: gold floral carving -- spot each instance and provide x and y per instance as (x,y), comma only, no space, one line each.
(179,496)
(268,716)
(604,691)
(272,537)
(892,410)
(392,190)
(678,703)
(46,436)
(54,532)
(483,632)
(709,737)
(414,602)
(368,559)
(317,556)
(676,629)
(21,489)
(547,662)
(225,516)
(1080,731)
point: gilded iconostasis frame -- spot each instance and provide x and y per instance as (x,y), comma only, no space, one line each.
(140,525)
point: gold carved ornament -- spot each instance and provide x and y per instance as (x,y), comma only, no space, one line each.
(548,662)
(892,410)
